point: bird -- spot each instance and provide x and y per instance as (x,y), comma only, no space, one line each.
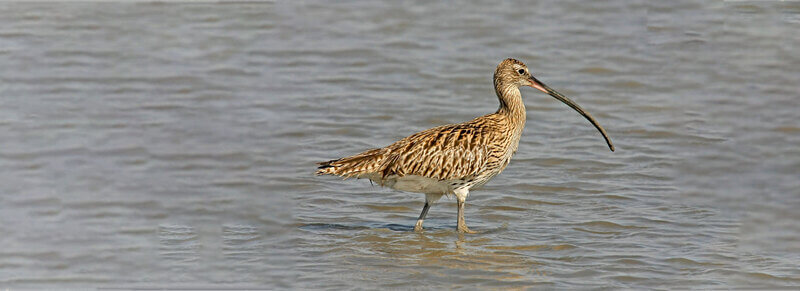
(453,159)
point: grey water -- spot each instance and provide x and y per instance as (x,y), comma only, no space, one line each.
(173,144)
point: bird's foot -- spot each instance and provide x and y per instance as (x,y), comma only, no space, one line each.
(418,226)
(465,229)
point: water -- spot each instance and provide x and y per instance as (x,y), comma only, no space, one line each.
(172,145)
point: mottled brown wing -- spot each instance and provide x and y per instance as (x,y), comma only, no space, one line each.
(447,152)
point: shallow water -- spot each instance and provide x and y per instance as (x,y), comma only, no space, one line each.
(172,145)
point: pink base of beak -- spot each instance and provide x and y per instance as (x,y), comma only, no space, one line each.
(537,85)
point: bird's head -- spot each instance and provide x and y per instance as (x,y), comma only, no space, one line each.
(513,73)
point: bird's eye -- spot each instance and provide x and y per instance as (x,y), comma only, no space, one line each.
(521,71)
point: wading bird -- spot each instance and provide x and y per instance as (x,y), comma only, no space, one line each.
(452,159)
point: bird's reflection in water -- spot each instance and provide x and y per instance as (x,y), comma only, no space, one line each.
(370,249)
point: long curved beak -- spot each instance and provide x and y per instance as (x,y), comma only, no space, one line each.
(544,88)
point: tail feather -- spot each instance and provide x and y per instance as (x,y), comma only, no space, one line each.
(353,166)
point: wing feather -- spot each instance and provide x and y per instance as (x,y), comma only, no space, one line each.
(444,153)
(448,152)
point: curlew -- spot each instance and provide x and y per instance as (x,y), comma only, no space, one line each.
(455,158)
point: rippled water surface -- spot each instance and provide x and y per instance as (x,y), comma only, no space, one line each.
(172,145)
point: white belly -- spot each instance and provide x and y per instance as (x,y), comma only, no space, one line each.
(418,184)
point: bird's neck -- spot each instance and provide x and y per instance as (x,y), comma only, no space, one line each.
(511,105)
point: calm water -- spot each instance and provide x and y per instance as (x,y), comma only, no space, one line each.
(172,145)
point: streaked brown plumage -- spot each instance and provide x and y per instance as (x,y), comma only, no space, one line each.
(454,158)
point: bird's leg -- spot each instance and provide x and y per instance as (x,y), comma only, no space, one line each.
(418,226)
(462,224)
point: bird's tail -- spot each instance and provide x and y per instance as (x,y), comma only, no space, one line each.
(354,166)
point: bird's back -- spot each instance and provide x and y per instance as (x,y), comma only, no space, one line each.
(469,152)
